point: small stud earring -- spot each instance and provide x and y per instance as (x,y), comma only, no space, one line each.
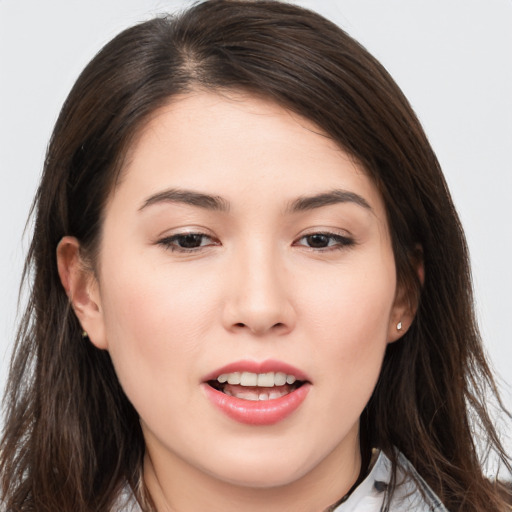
(399,326)
(84,335)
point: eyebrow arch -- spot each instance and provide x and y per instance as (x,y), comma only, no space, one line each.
(327,198)
(188,197)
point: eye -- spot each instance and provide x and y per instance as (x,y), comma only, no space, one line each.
(325,241)
(187,242)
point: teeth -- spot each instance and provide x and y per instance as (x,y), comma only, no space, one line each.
(290,379)
(234,378)
(248,379)
(264,380)
(257,395)
(280,379)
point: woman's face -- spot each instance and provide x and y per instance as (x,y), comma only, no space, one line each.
(241,241)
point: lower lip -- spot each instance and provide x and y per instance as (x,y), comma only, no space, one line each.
(258,412)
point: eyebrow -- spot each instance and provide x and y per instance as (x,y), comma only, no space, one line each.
(217,203)
(188,197)
(327,198)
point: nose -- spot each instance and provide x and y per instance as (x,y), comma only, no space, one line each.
(259,297)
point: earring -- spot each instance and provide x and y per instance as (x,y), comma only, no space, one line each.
(399,326)
(84,335)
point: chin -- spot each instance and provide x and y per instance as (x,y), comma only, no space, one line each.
(260,477)
(264,470)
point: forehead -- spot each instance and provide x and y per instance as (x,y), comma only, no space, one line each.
(233,143)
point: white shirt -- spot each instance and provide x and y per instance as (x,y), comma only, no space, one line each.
(370,493)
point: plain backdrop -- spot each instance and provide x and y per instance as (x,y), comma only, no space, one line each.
(452,58)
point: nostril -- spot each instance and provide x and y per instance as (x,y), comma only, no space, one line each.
(277,325)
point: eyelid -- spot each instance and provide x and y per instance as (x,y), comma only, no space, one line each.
(167,240)
(343,240)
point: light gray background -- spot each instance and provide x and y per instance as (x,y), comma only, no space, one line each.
(452,58)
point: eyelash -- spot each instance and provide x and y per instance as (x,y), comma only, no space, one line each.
(340,241)
(333,240)
(171,242)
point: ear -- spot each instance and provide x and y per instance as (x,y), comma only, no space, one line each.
(406,303)
(82,289)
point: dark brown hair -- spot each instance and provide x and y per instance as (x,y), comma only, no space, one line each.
(71,438)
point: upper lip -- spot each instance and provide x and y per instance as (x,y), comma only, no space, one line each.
(269,365)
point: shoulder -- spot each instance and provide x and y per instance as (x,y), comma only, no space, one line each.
(414,493)
(126,502)
(411,492)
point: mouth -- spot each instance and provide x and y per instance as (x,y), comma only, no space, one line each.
(257,393)
(256,386)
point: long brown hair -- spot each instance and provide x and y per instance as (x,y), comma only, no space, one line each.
(71,438)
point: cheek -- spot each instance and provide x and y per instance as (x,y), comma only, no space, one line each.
(348,323)
(353,305)
(155,322)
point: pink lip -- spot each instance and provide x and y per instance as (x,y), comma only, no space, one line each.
(270,365)
(264,412)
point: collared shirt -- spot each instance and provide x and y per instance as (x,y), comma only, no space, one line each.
(410,494)
(369,496)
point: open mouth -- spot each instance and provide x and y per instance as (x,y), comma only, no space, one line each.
(256,386)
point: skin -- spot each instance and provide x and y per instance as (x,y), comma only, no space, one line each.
(254,289)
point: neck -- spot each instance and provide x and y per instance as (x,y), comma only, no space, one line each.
(176,486)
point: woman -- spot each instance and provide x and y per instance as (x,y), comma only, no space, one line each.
(249,279)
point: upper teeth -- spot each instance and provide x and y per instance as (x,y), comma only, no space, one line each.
(266,380)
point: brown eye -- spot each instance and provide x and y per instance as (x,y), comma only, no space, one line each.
(325,241)
(187,242)
(317,240)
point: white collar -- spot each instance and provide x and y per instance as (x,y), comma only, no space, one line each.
(369,495)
